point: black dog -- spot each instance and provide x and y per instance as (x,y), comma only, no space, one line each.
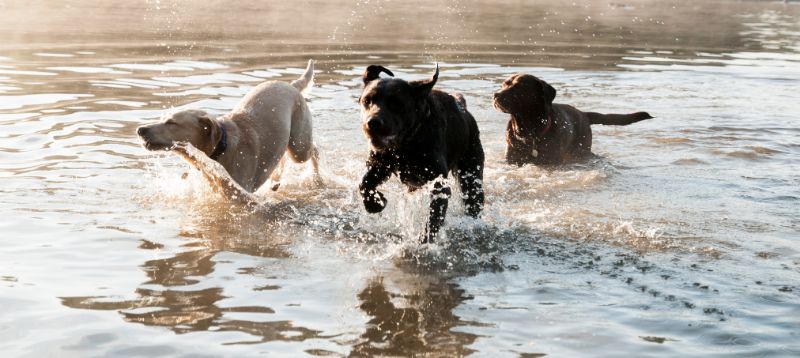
(543,132)
(420,134)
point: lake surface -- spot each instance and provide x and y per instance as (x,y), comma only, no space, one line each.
(681,239)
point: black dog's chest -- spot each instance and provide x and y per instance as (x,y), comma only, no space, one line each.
(415,175)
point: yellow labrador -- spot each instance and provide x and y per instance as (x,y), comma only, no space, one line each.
(250,141)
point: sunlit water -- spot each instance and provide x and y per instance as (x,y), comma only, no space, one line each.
(680,239)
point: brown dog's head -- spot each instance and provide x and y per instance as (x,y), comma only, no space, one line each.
(391,107)
(187,126)
(523,93)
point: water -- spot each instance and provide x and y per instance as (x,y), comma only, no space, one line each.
(681,239)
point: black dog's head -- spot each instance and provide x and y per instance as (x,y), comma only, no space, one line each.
(523,93)
(391,107)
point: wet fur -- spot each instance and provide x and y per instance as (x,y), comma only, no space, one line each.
(530,139)
(420,134)
(271,121)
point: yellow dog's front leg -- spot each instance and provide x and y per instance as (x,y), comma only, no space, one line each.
(221,182)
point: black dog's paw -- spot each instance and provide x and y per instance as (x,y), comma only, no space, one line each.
(374,202)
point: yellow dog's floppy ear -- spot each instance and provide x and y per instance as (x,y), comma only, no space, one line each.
(214,131)
(206,122)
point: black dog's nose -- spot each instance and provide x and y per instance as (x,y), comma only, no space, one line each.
(375,125)
(141,131)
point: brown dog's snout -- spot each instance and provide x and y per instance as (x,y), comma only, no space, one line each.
(499,97)
(142,131)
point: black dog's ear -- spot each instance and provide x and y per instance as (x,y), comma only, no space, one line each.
(549,92)
(373,73)
(423,88)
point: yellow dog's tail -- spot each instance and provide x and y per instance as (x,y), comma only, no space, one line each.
(306,81)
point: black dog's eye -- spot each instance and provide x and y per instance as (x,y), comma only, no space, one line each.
(394,104)
(366,101)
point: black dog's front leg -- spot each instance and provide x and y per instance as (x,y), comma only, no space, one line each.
(439,196)
(471,182)
(470,177)
(377,173)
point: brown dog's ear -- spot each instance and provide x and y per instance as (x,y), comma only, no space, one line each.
(424,87)
(549,92)
(373,73)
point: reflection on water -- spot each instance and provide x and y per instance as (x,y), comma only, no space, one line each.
(170,296)
(680,239)
(186,310)
(418,320)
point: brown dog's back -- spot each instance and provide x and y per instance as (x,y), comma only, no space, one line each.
(542,132)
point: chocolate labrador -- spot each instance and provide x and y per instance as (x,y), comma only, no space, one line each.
(420,134)
(543,132)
